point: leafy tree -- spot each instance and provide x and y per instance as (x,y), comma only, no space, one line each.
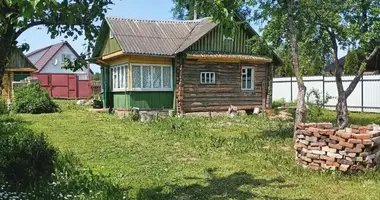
(70,18)
(97,76)
(351,63)
(347,23)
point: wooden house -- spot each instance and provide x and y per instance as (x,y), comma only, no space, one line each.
(19,67)
(188,66)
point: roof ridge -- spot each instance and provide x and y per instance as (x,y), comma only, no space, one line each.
(153,20)
(43,48)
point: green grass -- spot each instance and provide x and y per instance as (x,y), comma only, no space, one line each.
(197,158)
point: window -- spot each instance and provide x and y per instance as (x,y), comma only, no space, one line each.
(151,77)
(207,77)
(247,79)
(119,77)
(68,56)
(111,35)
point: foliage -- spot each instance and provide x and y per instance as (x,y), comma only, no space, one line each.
(278,103)
(351,63)
(316,104)
(97,76)
(3,107)
(25,157)
(31,99)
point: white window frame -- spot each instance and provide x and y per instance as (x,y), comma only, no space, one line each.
(151,76)
(207,74)
(124,74)
(246,88)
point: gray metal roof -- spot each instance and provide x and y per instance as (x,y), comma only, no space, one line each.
(155,37)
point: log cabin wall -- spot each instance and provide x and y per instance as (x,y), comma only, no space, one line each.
(197,97)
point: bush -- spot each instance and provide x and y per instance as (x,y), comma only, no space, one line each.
(31,99)
(3,107)
(316,104)
(25,157)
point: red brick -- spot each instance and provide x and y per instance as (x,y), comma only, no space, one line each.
(319,144)
(326,132)
(307,125)
(354,150)
(336,146)
(312,156)
(344,162)
(314,147)
(325,125)
(336,138)
(367,141)
(344,135)
(344,168)
(319,161)
(361,136)
(299,146)
(359,146)
(356,131)
(316,134)
(331,163)
(355,141)
(322,157)
(346,144)
(314,164)
(300,125)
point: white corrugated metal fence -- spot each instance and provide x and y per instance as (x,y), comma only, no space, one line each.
(365,97)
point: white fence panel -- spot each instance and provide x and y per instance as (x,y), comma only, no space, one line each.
(365,97)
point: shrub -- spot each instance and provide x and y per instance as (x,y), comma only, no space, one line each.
(31,99)
(316,104)
(3,107)
(25,157)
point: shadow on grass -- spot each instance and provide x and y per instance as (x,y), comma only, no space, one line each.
(229,187)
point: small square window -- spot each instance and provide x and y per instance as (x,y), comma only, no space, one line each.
(207,78)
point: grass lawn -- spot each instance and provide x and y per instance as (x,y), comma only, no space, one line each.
(197,158)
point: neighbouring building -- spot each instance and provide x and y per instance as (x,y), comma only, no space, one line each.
(188,66)
(18,68)
(50,59)
(60,82)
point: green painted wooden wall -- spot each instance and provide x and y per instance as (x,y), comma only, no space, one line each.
(153,100)
(110,46)
(121,100)
(214,42)
(149,100)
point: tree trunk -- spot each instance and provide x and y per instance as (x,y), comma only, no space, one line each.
(301,111)
(341,107)
(342,111)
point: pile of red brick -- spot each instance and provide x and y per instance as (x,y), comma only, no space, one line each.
(320,146)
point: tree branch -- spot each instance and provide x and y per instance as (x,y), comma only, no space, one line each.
(363,65)
(30,25)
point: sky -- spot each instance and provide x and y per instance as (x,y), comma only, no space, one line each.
(38,37)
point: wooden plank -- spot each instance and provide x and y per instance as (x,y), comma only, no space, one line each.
(217,108)
(220,94)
